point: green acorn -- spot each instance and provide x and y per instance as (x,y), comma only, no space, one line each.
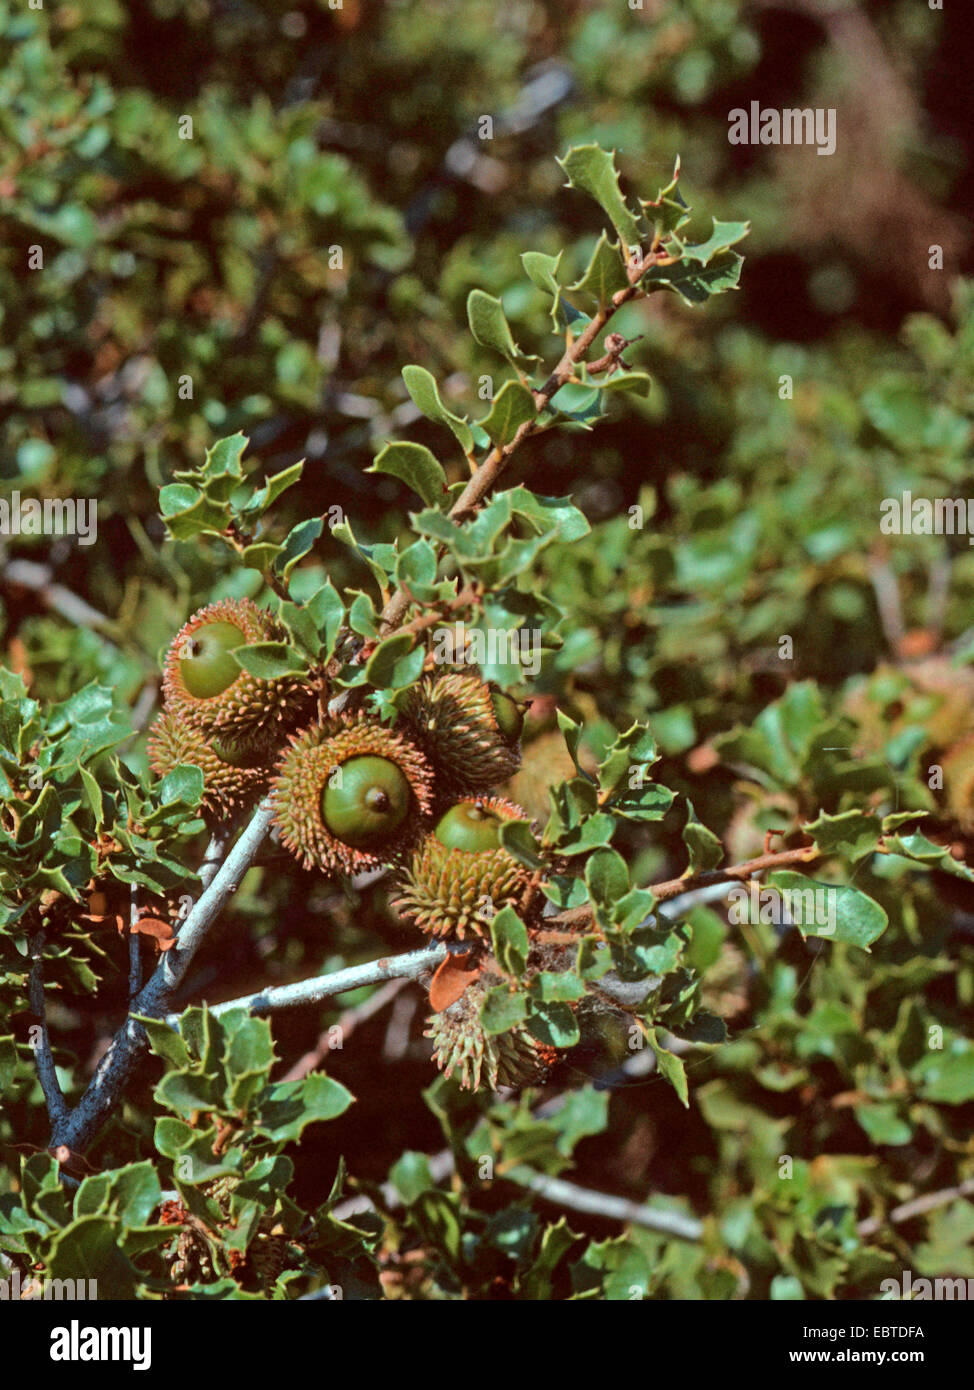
(206,688)
(350,795)
(460,874)
(236,773)
(460,1045)
(468,732)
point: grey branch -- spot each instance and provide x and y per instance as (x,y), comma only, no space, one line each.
(57,1106)
(555,1190)
(76,1128)
(584,1199)
(319,987)
(917,1206)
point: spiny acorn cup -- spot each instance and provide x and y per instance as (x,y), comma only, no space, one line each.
(204,685)
(236,773)
(468,731)
(350,795)
(461,874)
(461,1045)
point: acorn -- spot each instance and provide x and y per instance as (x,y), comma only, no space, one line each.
(350,795)
(461,874)
(236,773)
(468,732)
(461,1045)
(204,685)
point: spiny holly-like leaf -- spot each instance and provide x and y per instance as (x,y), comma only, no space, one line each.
(853,834)
(298,543)
(724,235)
(693,283)
(593,170)
(667,212)
(604,275)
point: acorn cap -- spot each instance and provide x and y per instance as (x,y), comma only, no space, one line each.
(466,737)
(236,774)
(350,795)
(451,891)
(206,688)
(460,1045)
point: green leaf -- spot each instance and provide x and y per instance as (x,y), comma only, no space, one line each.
(488,324)
(695,284)
(604,275)
(384,667)
(517,839)
(553,1024)
(671,1067)
(703,846)
(410,1175)
(542,270)
(947,1077)
(509,936)
(547,514)
(512,407)
(502,1009)
(269,661)
(290,1106)
(417,467)
(87,1249)
(884,1124)
(299,541)
(853,834)
(607,877)
(830,910)
(724,234)
(563,987)
(593,170)
(425,394)
(328,613)
(416,568)
(267,495)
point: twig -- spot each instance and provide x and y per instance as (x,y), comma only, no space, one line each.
(584,1199)
(556,1190)
(496,461)
(319,987)
(576,917)
(27,574)
(917,1206)
(76,1128)
(135,955)
(57,1106)
(346,1025)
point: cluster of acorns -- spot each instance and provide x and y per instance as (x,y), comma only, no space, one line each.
(351,794)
